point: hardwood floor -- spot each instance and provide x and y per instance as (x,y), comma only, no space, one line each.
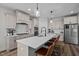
(10,53)
(69,50)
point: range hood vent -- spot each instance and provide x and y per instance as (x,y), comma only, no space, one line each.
(22,23)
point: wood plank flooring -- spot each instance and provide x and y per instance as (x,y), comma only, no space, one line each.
(69,50)
(9,53)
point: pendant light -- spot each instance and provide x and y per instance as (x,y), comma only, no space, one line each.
(37,11)
(51,12)
(51,16)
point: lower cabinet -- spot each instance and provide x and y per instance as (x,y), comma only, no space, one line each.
(11,43)
(22,50)
(61,37)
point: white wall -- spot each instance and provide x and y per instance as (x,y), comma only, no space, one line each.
(43,22)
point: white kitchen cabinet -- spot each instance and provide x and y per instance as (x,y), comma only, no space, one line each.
(70,20)
(7,20)
(18,14)
(32,27)
(22,50)
(36,22)
(61,36)
(57,24)
(22,17)
(10,19)
(11,40)
(78,18)
(66,20)
(11,43)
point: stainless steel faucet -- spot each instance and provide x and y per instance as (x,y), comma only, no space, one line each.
(43,30)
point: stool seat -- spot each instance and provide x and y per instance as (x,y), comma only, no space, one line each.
(52,40)
(42,51)
(45,51)
(48,44)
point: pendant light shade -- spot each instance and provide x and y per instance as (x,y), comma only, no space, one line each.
(37,13)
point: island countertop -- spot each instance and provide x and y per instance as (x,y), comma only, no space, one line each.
(36,41)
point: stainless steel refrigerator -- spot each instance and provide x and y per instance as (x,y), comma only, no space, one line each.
(71,33)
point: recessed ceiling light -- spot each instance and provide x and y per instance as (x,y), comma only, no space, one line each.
(29,9)
(71,12)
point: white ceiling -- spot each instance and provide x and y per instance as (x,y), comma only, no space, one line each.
(59,9)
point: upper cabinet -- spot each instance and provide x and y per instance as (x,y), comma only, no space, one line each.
(9,18)
(57,23)
(36,22)
(22,17)
(70,20)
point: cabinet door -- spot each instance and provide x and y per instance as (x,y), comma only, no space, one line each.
(11,21)
(67,20)
(2,31)
(21,17)
(73,19)
(78,18)
(36,22)
(27,18)
(70,20)
(12,43)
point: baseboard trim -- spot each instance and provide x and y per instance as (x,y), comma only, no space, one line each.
(6,50)
(3,51)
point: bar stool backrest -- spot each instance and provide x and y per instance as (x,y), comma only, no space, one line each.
(57,39)
(50,50)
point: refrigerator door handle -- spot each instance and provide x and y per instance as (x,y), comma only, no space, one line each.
(70,34)
(71,31)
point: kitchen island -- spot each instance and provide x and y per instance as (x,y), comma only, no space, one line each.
(27,46)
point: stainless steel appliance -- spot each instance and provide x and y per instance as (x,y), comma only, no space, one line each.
(35,31)
(43,30)
(71,33)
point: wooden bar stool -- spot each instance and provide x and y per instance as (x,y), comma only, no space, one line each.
(48,44)
(45,51)
(57,39)
(57,47)
(51,41)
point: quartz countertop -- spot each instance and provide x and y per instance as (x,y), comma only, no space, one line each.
(36,41)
